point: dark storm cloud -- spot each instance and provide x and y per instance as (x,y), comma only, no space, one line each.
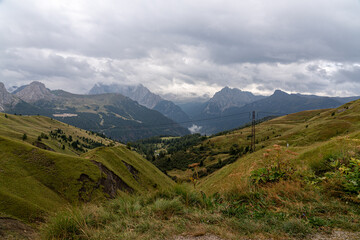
(348,75)
(191,47)
(48,66)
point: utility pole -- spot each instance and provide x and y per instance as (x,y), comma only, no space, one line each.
(253,132)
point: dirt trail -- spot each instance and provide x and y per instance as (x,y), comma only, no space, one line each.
(335,235)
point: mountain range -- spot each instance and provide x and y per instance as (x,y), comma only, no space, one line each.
(144,97)
(129,113)
(113,114)
(231,108)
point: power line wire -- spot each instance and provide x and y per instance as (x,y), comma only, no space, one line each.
(162,126)
(165,125)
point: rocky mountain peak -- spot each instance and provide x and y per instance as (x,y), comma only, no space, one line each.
(279,93)
(229,90)
(138,93)
(230,97)
(33,92)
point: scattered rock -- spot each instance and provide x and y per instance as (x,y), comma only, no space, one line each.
(337,235)
(202,237)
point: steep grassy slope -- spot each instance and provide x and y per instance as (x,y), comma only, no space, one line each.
(39,175)
(142,176)
(35,181)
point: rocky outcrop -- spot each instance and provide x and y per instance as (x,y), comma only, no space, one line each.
(34,92)
(134,172)
(111,182)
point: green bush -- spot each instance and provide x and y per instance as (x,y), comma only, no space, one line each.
(127,206)
(265,175)
(351,174)
(66,225)
(296,228)
(323,165)
(166,208)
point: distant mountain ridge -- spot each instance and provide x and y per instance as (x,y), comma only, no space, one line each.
(230,108)
(113,114)
(124,119)
(145,97)
(282,102)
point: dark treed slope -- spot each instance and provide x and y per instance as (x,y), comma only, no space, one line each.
(144,97)
(115,115)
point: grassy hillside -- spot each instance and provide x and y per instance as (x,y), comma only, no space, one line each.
(298,130)
(45,171)
(302,180)
(52,133)
(34,182)
(303,131)
(142,176)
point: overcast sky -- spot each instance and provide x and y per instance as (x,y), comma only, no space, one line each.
(185,48)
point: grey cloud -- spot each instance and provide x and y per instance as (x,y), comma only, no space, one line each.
(348,75)
(46,66)
(254,45)
(253,31)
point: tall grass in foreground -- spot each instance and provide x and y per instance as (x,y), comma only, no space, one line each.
(286,209)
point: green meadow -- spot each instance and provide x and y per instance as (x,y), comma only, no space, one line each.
(303,179)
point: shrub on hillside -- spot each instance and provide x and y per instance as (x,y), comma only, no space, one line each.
(277,166)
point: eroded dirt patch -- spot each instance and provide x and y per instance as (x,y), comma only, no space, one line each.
(14,229)
(112,182)
(43,146)
(134,172)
